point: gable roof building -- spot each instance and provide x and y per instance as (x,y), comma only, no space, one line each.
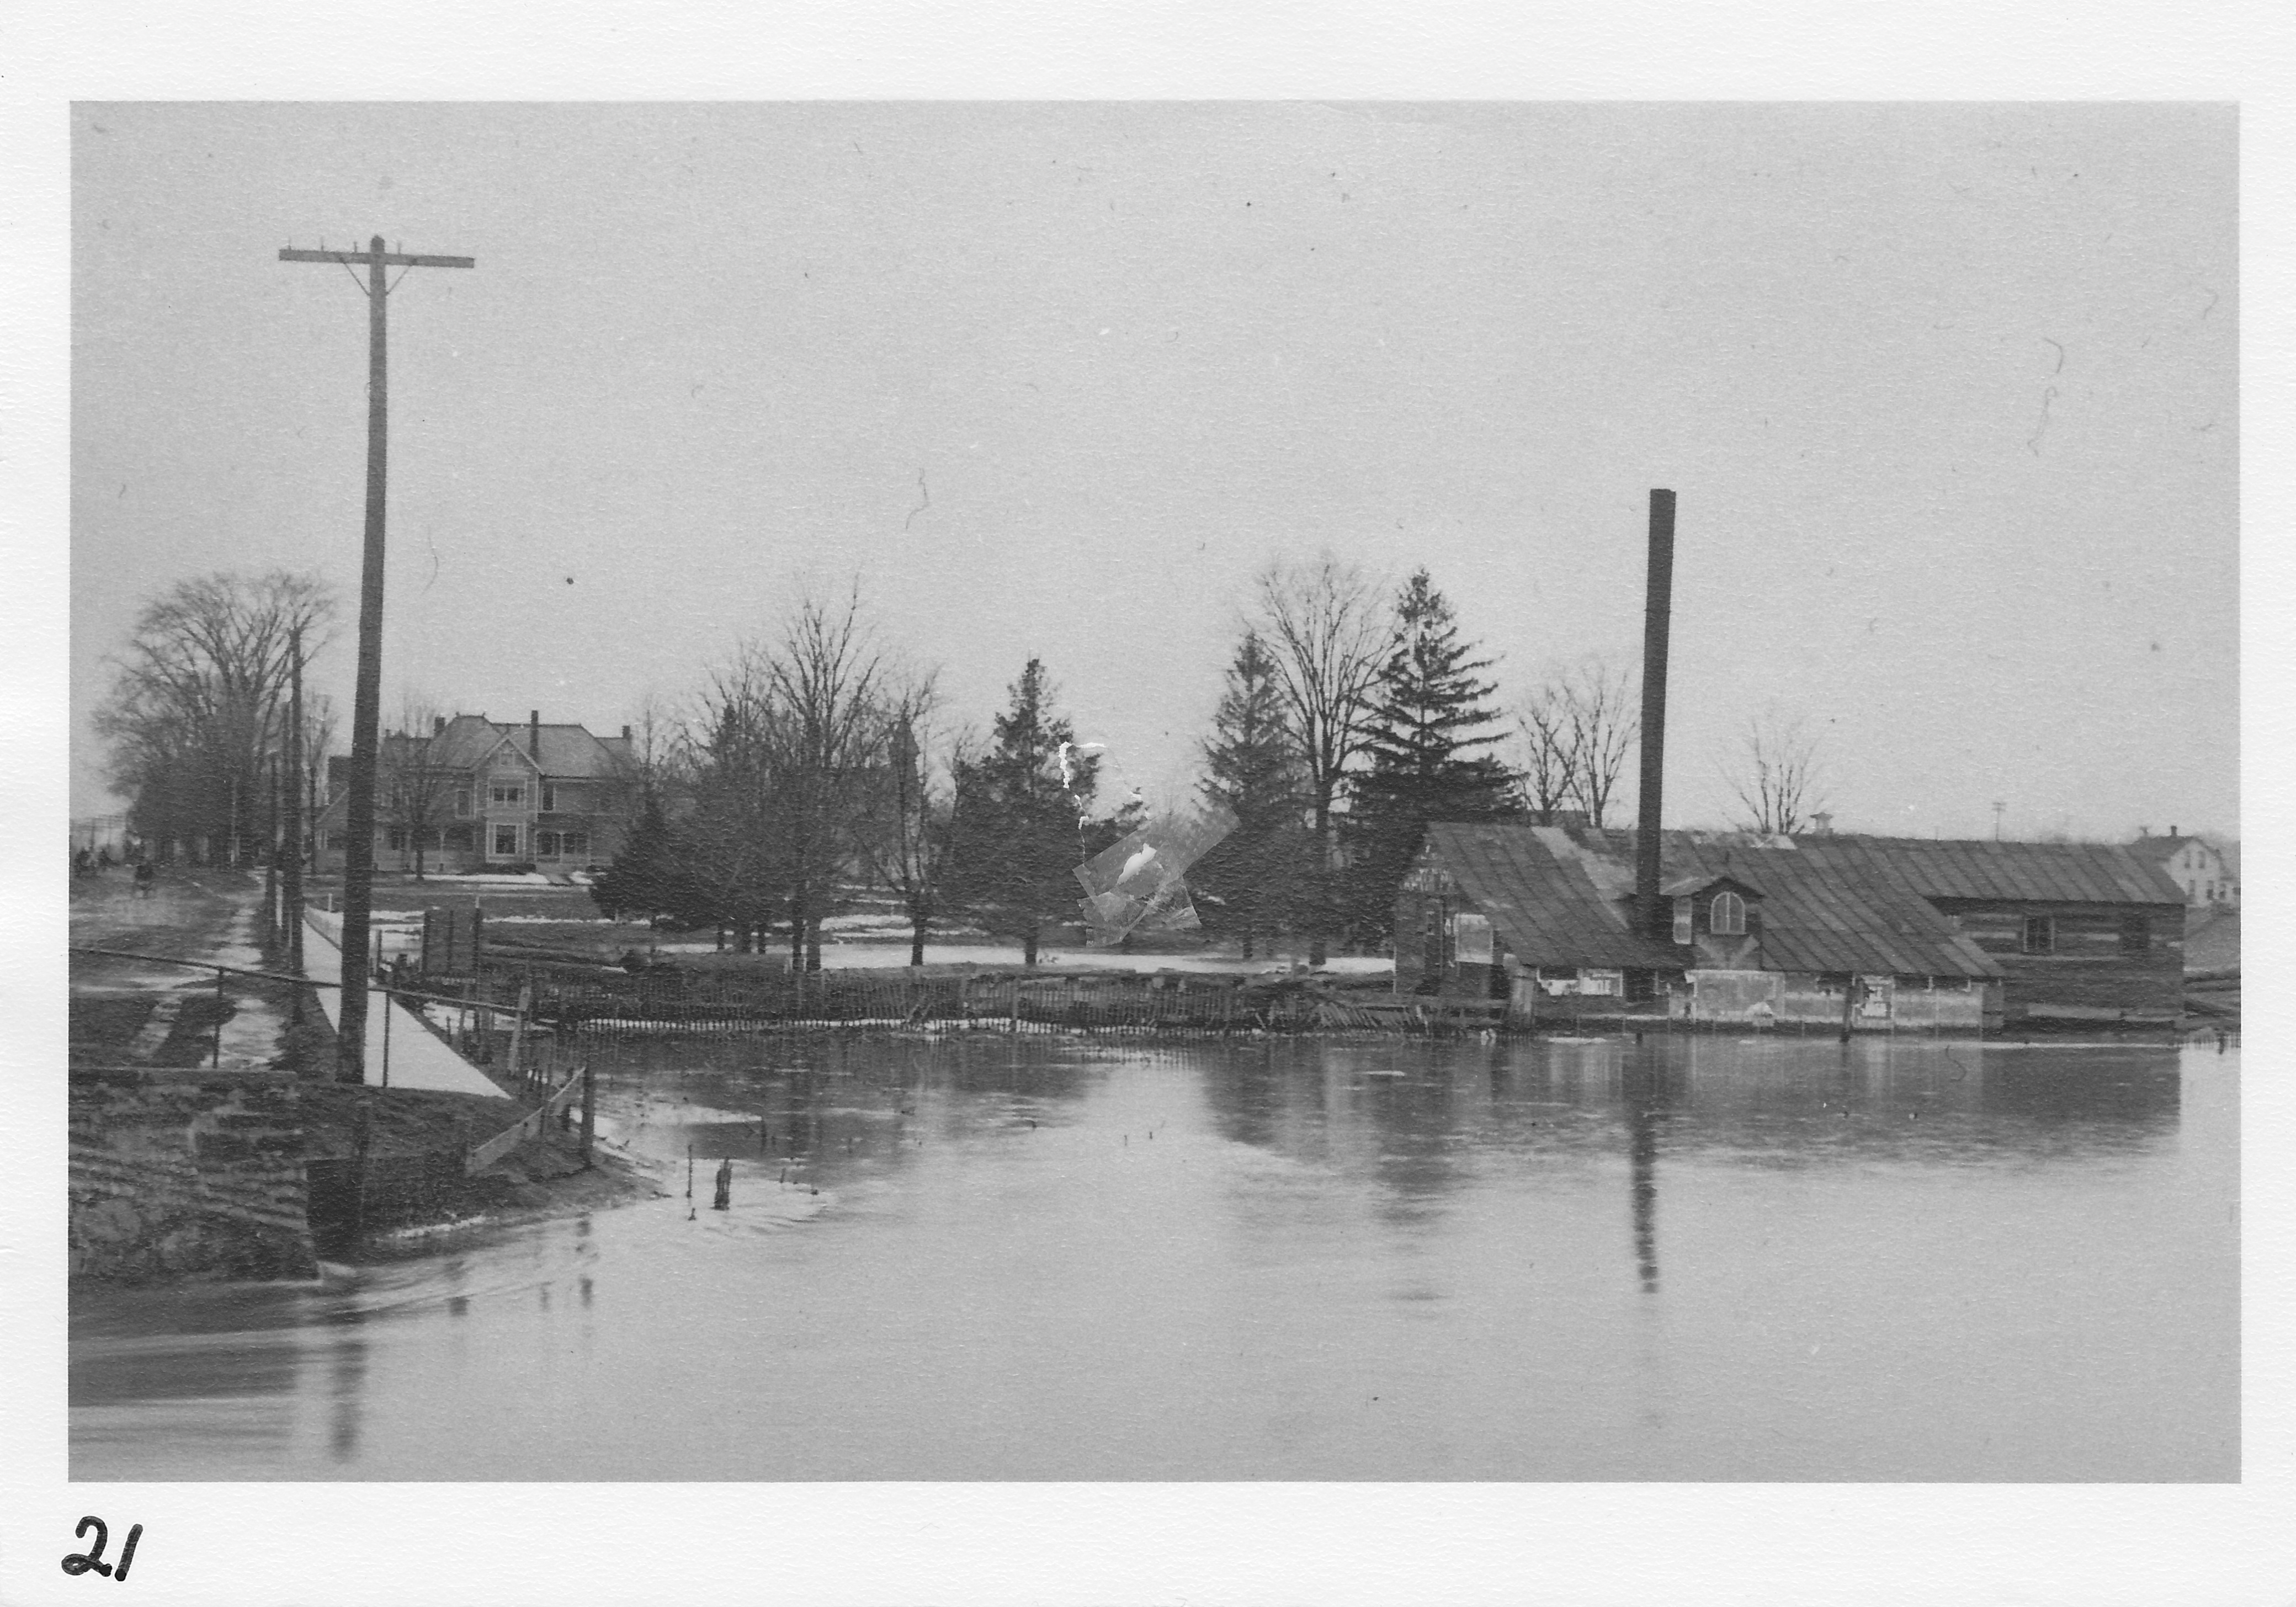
(2001,931)
(475,793)
(2208,875)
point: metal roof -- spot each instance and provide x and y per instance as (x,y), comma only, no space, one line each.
(1540,887)
(1561,896)
(1823,916)
(2027,873)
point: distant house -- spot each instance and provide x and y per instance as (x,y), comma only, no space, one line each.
(479,794)
(2208,875)
(1869,933)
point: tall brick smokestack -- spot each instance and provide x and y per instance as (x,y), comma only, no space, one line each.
(534,734)
(1657,613)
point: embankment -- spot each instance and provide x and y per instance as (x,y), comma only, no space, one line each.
(187,1172)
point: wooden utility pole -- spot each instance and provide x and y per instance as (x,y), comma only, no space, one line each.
(271,856)
(290,879)
(359,859)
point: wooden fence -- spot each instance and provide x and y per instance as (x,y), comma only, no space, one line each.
(483,1155)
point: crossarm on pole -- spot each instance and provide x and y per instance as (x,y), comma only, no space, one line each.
(390,258)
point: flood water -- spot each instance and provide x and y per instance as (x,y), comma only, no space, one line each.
(1692,1258)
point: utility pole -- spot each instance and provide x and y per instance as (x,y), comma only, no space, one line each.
(271,856)
(359,860)
(290,879)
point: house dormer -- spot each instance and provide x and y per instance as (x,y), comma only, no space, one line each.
(1720,916)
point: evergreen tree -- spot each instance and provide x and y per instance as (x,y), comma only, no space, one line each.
(1013,840)
(1433,725)
(646,877)
(1254,879)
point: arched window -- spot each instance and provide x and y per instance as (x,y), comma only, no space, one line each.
(1727,918)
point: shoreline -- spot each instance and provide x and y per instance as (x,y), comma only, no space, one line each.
(616,1177)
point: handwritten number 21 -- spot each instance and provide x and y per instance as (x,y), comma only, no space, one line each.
(81,1562)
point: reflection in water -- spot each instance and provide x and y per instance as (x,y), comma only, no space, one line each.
(346,1374)
(1345,1259)
(1644,1091)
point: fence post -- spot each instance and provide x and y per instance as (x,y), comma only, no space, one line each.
(518,1031)
(386,1036)
(1013,1024)
(220,1011)
(589,1110)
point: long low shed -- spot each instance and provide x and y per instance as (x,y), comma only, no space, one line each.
(1866,934)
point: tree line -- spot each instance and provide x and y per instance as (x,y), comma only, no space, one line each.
(1352,713)
(197,722)
(816,757)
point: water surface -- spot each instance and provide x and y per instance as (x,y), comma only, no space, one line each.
(1692,1258)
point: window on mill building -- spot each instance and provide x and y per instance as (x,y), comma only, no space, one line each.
(1727,918)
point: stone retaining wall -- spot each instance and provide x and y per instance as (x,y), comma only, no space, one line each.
(187,1171)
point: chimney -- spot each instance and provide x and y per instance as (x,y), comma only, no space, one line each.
(534,736)
(625,734)
(1657,611)
(438,725)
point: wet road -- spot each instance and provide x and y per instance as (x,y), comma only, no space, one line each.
(1695,1259)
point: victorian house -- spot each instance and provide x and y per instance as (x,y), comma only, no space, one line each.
(474,795)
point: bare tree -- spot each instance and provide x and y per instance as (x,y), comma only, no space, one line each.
(734,859)
(1549,760)
(415,792)
(1774,770)
(825,675)
(1577,731)
(1328,628)
(904,816)
(1599,701)
(198,699)
(789,730)
(657,743)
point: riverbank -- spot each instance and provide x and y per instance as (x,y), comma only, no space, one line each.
(417,1200)
(542,1181)
(129,1015)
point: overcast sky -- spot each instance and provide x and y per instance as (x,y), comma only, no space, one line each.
(1947,394)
